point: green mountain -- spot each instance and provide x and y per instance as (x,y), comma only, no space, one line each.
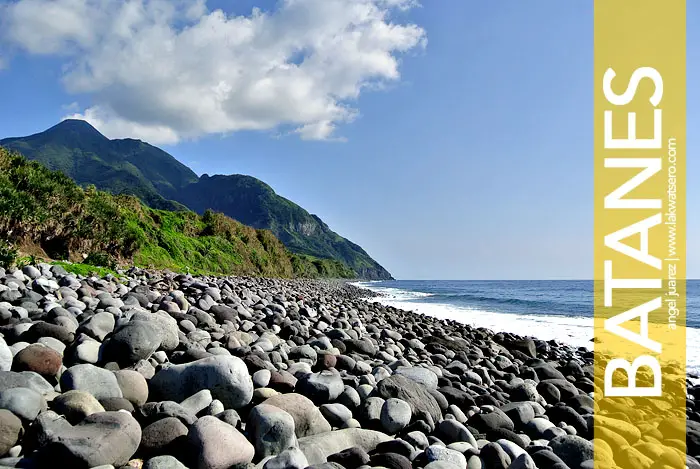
(126,166)
(45,213)
(136,168)
(251,201)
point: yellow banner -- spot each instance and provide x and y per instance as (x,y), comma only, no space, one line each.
(639,229)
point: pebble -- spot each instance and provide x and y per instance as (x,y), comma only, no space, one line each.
(155,369)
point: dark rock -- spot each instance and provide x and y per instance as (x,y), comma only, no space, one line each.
(421,401)
(134,341)
(322,387)
(390,461)
(162,437)
(351,458)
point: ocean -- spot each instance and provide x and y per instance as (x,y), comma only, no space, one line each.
(546,309)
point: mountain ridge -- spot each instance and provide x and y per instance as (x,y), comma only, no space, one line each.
(134,167)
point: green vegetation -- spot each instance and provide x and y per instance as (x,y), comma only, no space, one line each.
(312,267)
(46,211)
(86,270)
(8,254)
(254,203)
(126,166)
(136,168)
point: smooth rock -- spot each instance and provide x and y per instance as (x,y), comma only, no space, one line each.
(133,386)
(134,341)
(272,430)
(291,458)
(308,420)
(97,381)
(163,462)
(25,403)
(318,447)
(415,394)
(103,438)
(76,405)
(225,376)
(218,445)
(322,387)
(395,415)
(10,430)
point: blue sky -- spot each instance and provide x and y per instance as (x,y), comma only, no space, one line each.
(475,161)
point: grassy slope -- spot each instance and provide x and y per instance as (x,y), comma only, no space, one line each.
(254,203)
(136,168)
(46,208)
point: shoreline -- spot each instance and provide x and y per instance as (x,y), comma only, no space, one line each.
(172,370)
(574,330)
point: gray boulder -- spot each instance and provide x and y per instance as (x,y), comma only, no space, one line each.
(168,330)
(440,453)
(336,414)
(272,430)
(420,375)
(163,462)
(97,381)
(98,326)
(133,386)
(322,387)
(225,376)
(317,448)
(395,415)
(572,449)
(308,420)
(76,405)
(25,403)
(134,341)
(218,445)
(197,402)
(100,439)
(25,379)
(415,394)
(291,458)
(5,356)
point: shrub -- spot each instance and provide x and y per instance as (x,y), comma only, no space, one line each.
(8,254)
(101,259)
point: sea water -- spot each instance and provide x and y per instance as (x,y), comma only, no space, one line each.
(561,310)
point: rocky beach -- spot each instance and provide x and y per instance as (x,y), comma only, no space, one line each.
(158,370)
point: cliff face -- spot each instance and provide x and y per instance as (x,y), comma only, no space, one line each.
(254,203)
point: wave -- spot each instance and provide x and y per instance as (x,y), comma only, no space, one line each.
(539,307)
(580,308)
(572,330)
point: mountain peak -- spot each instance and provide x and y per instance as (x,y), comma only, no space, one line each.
(77,126)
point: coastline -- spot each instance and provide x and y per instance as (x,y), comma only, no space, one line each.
(571,330)
(200,370)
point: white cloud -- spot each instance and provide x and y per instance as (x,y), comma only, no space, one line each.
(164,70)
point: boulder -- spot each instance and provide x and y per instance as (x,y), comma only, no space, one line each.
(271,429)
(97,381)
(317,448)
(218,445)
(25,403)
(413,393)
(308,420)
(100,439)
(225,376)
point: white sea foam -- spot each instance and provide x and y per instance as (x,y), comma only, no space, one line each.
(576,331)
